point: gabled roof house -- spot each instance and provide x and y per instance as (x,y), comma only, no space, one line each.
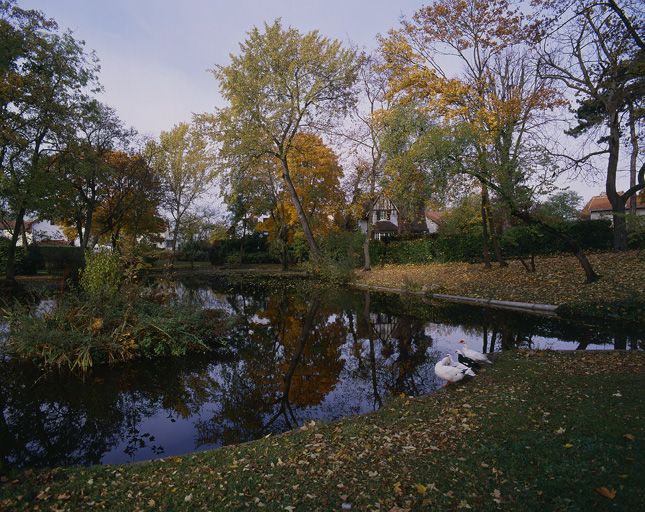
(385,219)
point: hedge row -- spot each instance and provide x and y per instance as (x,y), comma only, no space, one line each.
(517,241)
(42,258)
(256,250)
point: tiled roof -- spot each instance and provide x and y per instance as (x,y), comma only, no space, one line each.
(10,224)
(434,216)
(601,204)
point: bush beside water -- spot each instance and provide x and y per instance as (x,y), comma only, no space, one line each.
(111,318)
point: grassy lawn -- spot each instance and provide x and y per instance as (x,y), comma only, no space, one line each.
(557,280)
(537,431)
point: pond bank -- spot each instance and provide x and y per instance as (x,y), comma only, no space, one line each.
(557,283)
(512,437)
(524,307)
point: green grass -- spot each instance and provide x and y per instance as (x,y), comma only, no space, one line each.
(537,431)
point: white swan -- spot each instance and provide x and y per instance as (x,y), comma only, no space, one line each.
(444,370)
(474,355)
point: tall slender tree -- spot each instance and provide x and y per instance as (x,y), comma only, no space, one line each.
(282,82)
(186,169)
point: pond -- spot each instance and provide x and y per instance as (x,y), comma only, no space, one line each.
(297,353)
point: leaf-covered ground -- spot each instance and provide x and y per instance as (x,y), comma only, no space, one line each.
(537,431)
(557,280)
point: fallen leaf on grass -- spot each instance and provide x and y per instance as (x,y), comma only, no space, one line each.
(568,445)
(607,493)
(629,437)
(421,489)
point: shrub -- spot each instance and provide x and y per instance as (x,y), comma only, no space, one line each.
(255,244)
(22,262)
(102,275)
(193,251)
(636,231)
(66,260)
(343,247)
(83,330)
(330,270)
(517,241)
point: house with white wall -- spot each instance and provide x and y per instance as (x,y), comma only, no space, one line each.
(599,207)
(385,219)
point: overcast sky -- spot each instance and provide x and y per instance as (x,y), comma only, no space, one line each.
(155,54)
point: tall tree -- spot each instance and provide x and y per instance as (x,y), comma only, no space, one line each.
(131,201)
(595,49)
(43,76)
(281,83)
(491,111)
(475,33)
(186,169)
(83,172)
(366,136)
(316,177)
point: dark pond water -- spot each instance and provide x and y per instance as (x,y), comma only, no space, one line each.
(297,354)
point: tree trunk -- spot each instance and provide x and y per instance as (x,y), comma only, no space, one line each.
(79,232)
(85,239)
(10,271)
(617,202)
(620,225)
(23,233)
(114,240)
(485,250)
(486,214)
(495,241)
(242,240)
(283,236)
(175,234)
(313,246)
(367,262)
(633,161)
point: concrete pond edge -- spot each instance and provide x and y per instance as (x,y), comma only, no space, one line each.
(527,307)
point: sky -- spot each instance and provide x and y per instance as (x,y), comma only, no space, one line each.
(155,54)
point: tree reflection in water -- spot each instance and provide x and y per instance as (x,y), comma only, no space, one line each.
(296,354)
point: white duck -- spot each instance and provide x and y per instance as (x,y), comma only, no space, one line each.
(459,366)
(445,370)
(474,355)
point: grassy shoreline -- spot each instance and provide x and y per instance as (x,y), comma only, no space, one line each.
(618,295)
(537,431)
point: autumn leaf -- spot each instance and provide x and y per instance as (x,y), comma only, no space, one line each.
(421,489)
(568,445)
(607,493)
(629,437)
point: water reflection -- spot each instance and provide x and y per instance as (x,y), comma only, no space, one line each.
(296,354)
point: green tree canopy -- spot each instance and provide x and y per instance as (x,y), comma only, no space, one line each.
(280,83)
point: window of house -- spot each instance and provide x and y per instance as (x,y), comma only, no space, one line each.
(383,214)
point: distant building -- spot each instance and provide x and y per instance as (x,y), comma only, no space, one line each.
(384,217)
(599,207)
(35,232)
